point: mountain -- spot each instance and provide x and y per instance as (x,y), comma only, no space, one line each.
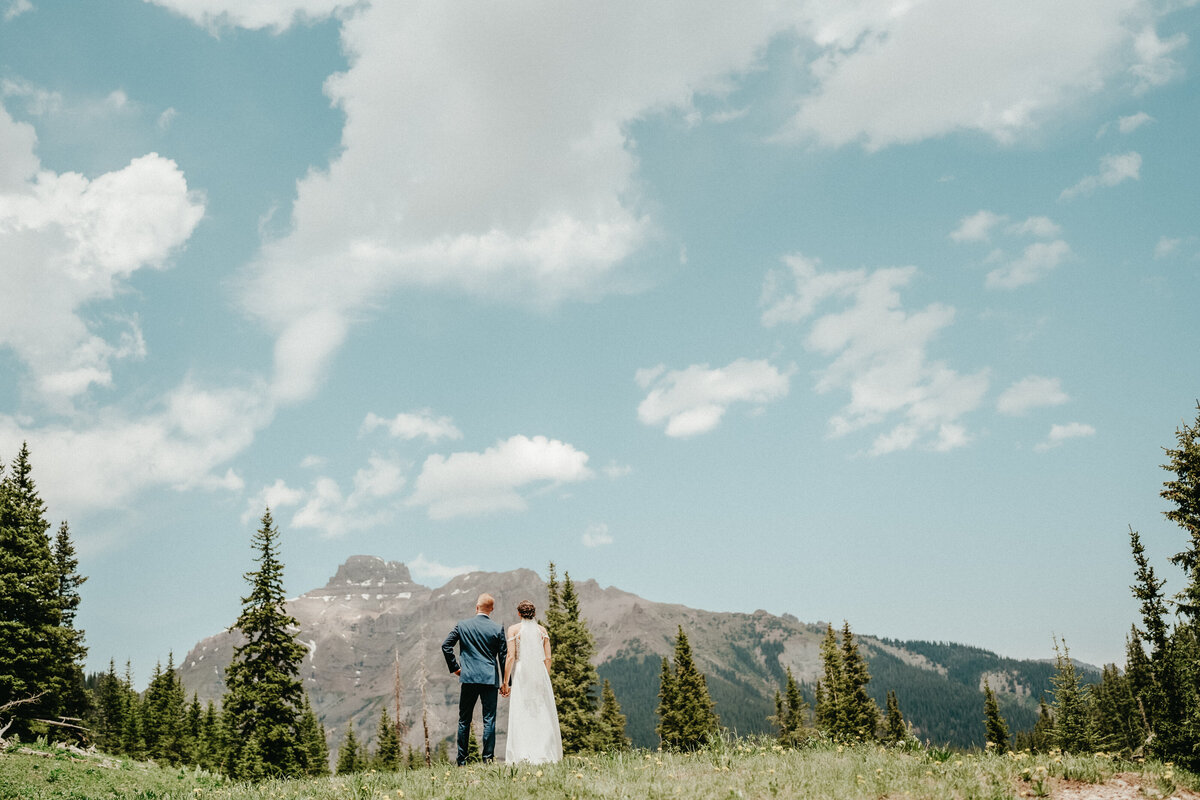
(371,617)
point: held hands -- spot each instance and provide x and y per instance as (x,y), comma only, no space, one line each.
(504,690)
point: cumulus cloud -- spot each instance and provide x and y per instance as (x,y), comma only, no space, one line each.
(277,496)
(1031,392)
(16,8)
(498,479)
(1114,169)
(464,165)
(1062,433)
(67,242)
(596,535)
(878,353)
(371,501)
(433,573)
(1035,262)
(1154,65)
(102,462)
(693,400)
(408,426)
(276,14)
(1127,125)
(977,227)
(893,73)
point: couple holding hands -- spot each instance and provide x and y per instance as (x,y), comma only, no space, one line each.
(524,652)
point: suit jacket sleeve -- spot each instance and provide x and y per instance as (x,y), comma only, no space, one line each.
(448,649)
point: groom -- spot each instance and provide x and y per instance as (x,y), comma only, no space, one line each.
(483,652)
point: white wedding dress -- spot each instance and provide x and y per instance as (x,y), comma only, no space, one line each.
(533,733)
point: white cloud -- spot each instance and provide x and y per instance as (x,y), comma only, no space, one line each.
(1031,392)
(102,462)
(898,72)
(1167,246)
(1155,66)
(1034,263)
(371,502)
(1127,125)
(693,400)
(878,355)
(16,8)
(277,496)
(977,227)
(1037,227)
(277,14)
(412,426)
(614,470)
(464,166)
(1114,169)
(596,535)
(312,461)
(473,484)
(67,242)
(431,572)
(1061,433)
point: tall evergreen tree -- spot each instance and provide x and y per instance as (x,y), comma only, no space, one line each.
(995,728)
(895,730)
(612,721)
(312,742)
(264,695)
(132,742)
(829,688)
(349,755)
(667,711)
(69,648)
(572,673)
(858,713)
(790,710)
(1183,491)
(689,721)
(387,744)
(1148,590)
(1072,731)
(29,596)
(1116,724)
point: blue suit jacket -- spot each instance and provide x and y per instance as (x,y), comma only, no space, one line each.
(482,649)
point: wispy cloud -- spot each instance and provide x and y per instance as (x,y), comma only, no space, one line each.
(693,400)
(1034,263)
(498,479)
(596,535)
(1062,433)
(408,426)
(879,354)
(433,573)
(1030,393)
(1114,170)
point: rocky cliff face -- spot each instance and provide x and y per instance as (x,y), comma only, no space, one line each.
(371,617)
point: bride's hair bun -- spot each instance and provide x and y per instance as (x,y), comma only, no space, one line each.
(526,609)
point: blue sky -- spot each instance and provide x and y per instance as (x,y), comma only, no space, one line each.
(877,311)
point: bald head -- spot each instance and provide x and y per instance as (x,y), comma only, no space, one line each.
(485,603)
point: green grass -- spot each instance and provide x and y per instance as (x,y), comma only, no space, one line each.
(729,770)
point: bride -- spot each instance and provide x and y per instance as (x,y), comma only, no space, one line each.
(533,733)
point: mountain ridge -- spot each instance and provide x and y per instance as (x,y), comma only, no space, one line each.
(371,617)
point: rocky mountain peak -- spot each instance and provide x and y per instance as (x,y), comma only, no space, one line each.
(360,572)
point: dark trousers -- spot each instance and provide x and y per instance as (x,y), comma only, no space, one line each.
(486,694)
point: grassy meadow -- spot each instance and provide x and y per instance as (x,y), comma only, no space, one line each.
(731,769)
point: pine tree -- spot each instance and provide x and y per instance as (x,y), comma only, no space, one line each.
(132,742)
(1148,590)
(109,710)
(211,745)
(895,730)
(387,744)
(1115,724)
(312,742)
(1072,733)
(264,695)
(349,758)
(829,690)
(667,711)
(29,587)
(1184,492)
(790,710)
(996,729)
(612,721)
(689,720)
(68,643)
(572,673)
(858,712)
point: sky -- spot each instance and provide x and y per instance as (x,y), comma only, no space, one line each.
(877,311)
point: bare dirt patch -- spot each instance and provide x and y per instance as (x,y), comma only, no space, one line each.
(1124,786)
